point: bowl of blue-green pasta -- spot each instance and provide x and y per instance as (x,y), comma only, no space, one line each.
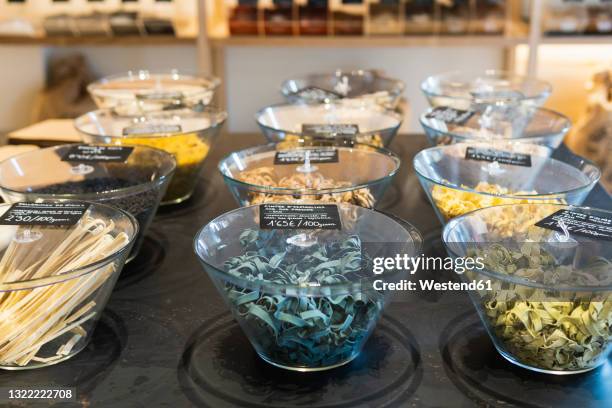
(307,298)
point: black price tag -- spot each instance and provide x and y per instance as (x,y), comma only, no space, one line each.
(577,223)
(60,213)
(299,216)
(499,156)
(151,129)
(450,115)
(326,131)
(299,156)
(86,153)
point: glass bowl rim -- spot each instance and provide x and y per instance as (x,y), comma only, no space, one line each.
(451,224)
(209,111)
(398,86)
(83,270)
(116,192)
(361,284)
(547,87)
(310,191)
(211,82)
(565,129)
(384,112)
(538,196)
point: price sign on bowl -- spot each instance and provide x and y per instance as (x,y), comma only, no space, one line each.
(347,131)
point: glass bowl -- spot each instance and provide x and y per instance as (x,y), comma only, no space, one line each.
(135,185)
(356,174)
(141,91)
(373,125)
(458,178)
(534,125)
(467,90)
(56,281)
(546,301)
(185,133)
(361,86)
(307,299)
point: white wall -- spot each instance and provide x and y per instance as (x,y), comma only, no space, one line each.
(255,74)
(22,74)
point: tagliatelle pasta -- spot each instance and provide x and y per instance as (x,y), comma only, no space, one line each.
(561,331)
(266,176)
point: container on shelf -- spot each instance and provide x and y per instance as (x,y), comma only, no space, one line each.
(316,307)
(140,91)
(420,17)
(358,87)
(564,18)
(385,18)
(125,23)
(134,179)
(492,89)
(59,25)
(290,123)
(96,24)
(454,17)
(56,280)
(547,305)
(352,173)
(158,26)
(489,17)
(600,19)
(185,133)
(244,18)
(467,176)
(314,18)
(279,19)
(348,17)
(529,125)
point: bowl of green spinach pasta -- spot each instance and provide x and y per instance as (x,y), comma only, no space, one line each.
(547,301)
(299,278)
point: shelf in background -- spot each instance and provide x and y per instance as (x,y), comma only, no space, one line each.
(367,41)
(97,40)
(576,39)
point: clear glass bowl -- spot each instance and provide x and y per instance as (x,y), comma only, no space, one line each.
(376,126)
(185,133)
(136,185)
(141,91)
(360,175)
(360,86)
(548,305)
(55,283)
(531,125)
(467,90)
(306,299)
(456,185)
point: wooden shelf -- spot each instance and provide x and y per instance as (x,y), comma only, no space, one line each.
(367,41)
(576,39)
(97,40)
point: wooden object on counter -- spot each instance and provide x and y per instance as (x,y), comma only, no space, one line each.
(49,132)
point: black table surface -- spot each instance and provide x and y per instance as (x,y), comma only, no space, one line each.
(167,340)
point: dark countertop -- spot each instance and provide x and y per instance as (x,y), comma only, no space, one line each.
(167,340)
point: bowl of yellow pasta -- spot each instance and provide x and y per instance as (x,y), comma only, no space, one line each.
(464,177)
(546,297)
(187,134)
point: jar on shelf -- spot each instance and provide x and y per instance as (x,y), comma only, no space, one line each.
(243,18)
(564,18)
(313,18)
(455,16)
(348,17)
(385,18)
(419,17)
(489,17)
(600,19)
(279,18)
